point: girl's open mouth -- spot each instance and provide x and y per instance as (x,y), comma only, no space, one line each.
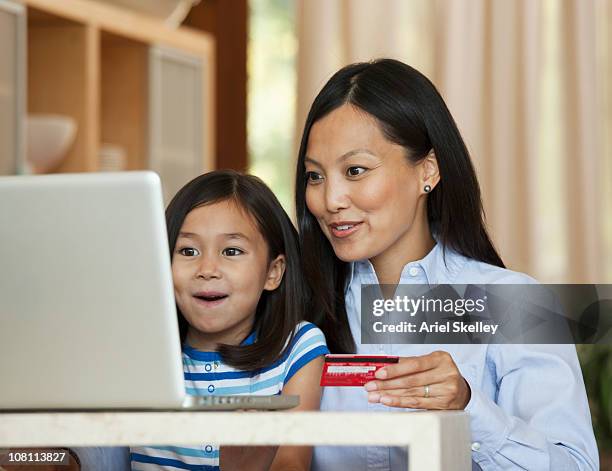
(210,299)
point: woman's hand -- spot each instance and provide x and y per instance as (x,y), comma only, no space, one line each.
(430,381)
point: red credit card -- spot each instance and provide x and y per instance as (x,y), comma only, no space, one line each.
(352,370)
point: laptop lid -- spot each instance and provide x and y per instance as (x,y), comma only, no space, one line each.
(87,309)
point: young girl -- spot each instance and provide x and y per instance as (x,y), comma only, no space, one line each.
(240,299)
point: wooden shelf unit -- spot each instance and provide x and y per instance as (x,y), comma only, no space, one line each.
(90,61)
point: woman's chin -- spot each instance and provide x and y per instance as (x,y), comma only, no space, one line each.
(347,254)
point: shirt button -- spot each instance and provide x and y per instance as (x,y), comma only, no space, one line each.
(414,271)
(208,367)
(208,449)
(475,446)
(211,388)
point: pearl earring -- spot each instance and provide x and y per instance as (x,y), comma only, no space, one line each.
(427,188)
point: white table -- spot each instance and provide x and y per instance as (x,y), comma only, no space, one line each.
(437,440)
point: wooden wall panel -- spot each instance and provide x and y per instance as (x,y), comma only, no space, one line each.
(227,21)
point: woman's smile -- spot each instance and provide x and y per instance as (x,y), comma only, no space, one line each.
(344,229)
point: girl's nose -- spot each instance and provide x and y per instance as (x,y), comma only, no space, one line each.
(208,268)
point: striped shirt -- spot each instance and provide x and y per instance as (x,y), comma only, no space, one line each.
(206,374)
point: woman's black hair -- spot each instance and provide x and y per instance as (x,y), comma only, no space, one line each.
(411,113)
(278,311)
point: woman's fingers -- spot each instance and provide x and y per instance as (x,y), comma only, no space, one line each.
(432,403)
(425,391)
(416,364)
(437,396)
(430,381)
(407,382)
(408,365)
(415,371)
(410,398)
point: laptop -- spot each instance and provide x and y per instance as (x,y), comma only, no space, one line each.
(87,309)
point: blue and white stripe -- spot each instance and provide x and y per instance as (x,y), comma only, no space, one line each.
(206,374)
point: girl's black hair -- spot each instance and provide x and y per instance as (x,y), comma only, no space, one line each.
(279,311)
(411,113)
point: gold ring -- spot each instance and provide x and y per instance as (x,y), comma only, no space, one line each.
(426,390)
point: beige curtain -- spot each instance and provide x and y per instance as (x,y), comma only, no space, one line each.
(528,83)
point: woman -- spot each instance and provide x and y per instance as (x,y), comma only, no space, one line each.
(386,193)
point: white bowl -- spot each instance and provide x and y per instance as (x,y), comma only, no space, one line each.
(172,12)
(49,137)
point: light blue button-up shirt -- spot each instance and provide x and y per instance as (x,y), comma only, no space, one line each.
(528,407)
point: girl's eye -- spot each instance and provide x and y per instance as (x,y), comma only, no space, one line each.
(232,252)
(313,177)
(355,171)
(188,252)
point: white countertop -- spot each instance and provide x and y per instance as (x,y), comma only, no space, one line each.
(437,440)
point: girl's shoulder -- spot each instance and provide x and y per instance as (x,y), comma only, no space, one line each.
(308,343)
(307,333)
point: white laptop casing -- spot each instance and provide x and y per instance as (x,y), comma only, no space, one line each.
(87,309)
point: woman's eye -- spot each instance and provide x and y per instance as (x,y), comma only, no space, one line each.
(313,177)
(188,252)
(232,252)
(355,171)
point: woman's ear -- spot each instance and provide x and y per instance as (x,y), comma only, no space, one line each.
(430,174)
(276,270)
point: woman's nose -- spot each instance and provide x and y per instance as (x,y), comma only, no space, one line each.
(208,268)
(336,196)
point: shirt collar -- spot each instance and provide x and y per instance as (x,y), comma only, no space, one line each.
(202,355)
(441,266)
(250,339)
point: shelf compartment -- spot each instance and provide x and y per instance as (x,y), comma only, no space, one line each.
(124,97)
(63,78)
